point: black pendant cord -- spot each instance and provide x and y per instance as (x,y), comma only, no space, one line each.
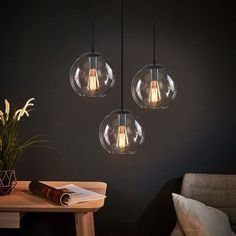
(122,70)
(154,32)
(92,24)
(154,42)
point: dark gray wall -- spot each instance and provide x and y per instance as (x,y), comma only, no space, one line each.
(39,42)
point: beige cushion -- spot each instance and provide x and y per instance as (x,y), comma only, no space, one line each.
(197,219)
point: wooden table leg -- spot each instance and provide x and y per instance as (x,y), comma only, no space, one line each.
(84,224)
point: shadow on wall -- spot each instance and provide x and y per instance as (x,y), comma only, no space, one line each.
(159,218)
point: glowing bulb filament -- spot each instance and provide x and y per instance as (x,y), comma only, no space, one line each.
(154,94)
(93,83)
(122,139)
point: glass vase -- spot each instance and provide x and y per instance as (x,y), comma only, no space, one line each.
(7,182)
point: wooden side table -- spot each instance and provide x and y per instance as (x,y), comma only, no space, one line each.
(21,201)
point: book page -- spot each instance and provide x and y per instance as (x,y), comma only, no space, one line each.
(77,194)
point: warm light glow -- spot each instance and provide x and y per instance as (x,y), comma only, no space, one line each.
(122,139)
(93,83)
(154,93)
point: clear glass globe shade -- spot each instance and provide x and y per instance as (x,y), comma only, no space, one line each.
(121,132)
(153,88)
(91,75)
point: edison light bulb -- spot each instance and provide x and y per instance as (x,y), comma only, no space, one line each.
(93,83)
(121,132)
(154,93)
(153,88)
(91,75)
(122,138)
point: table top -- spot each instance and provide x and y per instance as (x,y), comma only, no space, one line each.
(22,200)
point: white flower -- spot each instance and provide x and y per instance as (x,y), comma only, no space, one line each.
(7,109)
(16,113)
(19,113)
(2,117)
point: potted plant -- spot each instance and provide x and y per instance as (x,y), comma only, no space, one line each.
(12,146)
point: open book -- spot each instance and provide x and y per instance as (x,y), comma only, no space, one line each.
(64,195)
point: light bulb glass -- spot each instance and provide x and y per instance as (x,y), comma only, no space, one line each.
(122,137)
(93,82)
(153,88)
(91,75)
(121,132)
(154,92)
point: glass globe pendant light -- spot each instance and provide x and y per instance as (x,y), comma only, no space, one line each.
(91,75)
(121,132)
(153,87)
